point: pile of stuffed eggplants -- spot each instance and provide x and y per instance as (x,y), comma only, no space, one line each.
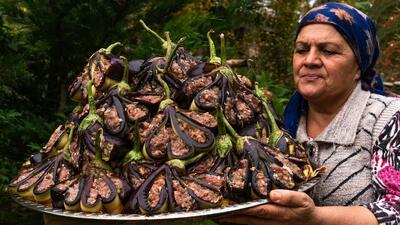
(170,133)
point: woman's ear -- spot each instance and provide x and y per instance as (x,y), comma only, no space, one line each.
(357,76)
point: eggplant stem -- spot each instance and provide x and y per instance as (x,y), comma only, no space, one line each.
(265,100)
(171,50)
(164,85)
(180,164)
(66,152)
(123,85)
(221,125)
(148,29)
(92,116)
(134,154)
(111,47)
(98,161)
(230,128)
(214,59)
(223,51)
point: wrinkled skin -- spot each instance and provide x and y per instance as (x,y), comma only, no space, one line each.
(289,207)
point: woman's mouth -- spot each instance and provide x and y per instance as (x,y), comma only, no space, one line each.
(310,77)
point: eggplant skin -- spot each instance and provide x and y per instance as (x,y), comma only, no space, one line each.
(84,204)
(194,188)
(74,205)
(145,189)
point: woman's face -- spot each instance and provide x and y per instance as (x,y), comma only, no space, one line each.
(324,65)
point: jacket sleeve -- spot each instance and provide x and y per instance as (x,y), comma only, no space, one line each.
(385,163)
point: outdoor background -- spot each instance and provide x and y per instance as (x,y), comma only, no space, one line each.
(44,44)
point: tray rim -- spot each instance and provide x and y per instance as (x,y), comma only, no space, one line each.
(195,214)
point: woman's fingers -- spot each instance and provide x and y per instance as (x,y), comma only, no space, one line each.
(291,199)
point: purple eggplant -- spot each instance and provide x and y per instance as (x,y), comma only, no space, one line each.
(205,195)
(153,194)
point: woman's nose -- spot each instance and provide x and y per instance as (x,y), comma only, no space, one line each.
(312,59)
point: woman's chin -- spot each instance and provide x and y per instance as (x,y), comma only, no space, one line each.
(310,94)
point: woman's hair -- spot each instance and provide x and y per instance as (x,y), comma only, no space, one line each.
(359,32)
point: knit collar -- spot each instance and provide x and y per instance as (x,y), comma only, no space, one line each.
(343,128)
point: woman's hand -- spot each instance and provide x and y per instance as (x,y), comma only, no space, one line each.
(289,207)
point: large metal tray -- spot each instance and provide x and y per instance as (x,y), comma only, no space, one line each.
(195,215)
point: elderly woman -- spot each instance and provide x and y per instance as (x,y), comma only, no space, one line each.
(338,114)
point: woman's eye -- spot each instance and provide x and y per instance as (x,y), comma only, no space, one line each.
(328,52)
(300,50)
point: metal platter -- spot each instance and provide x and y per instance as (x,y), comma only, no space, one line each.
(195,215)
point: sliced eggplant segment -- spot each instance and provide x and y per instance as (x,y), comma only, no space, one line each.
(261,183)
(193,85)
(109,195)
(211,96)
(191,133)
(153,194)
(115,121)
(57,192)
(206,196)
(57,140)
(24,187)
(179,198)
(91,198)
(72,196)
(204,119)
(156,144)
(238,177)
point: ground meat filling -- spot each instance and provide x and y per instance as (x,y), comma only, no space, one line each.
(65,184)
(214,180)
(261,181)
(28,183)
(103,188)
(53,139)
(147,127)
(204,166)
(155,191)
(46,182)
(151,99)
(135,112)
(159,142)
(204,193)
(135,181)
(74,149)
(293,167)
(24,174)
(252,100)
(72,193)
(245,81)
(178,147)
(194,133)
(196,84)
(229,112)
(205,119)
(143,170)
(98,75)
(283,175)
(178,72)
(238,175)
(112,118)
(107,147)
(210,97)
(151,88)
(63,173)
(245,114)
(182,197)
(93,192)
